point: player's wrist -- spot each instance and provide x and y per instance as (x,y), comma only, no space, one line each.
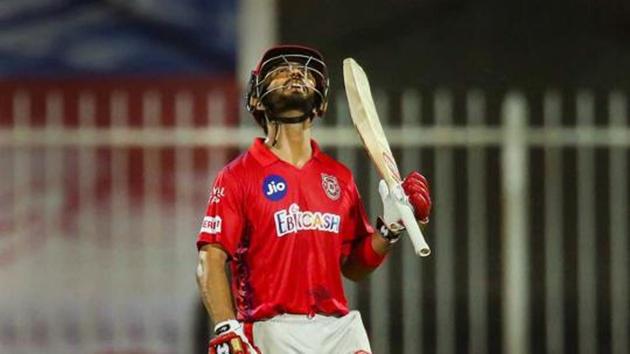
(226,326)
(390,234)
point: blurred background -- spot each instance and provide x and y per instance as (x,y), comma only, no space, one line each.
(116,115)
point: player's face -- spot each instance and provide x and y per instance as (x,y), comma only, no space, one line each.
(290,89)
(293,78)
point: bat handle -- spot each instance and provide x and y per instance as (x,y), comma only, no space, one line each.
(420,245)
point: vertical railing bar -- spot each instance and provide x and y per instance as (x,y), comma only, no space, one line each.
(121,230)
(477,238)
(554,255)
(87,232)
(412,277)
(586,247)
(444,248)
(151,114)
(619,264)
(515,247)
(347,155)
(379,280)
(8,234)
(23,194)
(186,225)
(53,191)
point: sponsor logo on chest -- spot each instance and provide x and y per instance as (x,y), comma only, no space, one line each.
(292,220)
(274,187)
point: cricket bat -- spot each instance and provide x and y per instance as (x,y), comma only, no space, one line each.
(365,119)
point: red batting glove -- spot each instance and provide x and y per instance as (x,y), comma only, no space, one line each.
(416,188)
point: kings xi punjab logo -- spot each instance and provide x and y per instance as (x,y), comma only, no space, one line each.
(331,186)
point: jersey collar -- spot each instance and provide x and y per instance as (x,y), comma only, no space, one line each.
(265,157)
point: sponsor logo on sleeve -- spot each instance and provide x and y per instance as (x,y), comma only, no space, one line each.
(274,187)
(216,195)
(292,220)
(331,186)
(211,224)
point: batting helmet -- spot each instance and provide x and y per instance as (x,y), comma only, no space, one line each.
(280,55)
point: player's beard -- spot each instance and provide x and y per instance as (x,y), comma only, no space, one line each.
(278,102)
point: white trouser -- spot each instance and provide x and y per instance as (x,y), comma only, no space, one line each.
(299,334)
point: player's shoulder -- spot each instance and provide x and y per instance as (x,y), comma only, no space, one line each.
(240,166)
(235,167)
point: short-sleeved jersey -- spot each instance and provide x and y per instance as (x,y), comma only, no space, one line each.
(287,231)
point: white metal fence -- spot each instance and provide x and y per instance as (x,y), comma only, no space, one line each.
(529,228)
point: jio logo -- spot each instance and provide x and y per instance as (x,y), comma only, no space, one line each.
(274,187)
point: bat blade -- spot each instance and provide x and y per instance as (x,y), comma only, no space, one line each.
(366,121)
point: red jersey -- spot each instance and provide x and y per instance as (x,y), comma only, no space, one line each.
(286,231)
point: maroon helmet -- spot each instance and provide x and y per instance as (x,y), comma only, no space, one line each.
(279,56)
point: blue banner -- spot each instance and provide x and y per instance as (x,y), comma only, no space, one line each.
(126,37)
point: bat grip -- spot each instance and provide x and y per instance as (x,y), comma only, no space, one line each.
(420,245)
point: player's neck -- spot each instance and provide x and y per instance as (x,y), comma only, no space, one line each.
(293,143)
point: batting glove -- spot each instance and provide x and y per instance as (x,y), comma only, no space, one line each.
(230,339)
(413,191)
(416,188)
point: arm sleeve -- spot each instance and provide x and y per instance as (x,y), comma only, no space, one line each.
(224,218)
(358,227)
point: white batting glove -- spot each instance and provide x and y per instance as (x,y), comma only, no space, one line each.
(230,339)
(389,225)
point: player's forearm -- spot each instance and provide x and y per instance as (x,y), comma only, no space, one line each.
(361,262)
(214,285)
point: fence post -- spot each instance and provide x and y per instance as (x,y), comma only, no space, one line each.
(619,227)
(478,230)
(554,231)
(444,215)
(411,110)
(586,230)
(515,247)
